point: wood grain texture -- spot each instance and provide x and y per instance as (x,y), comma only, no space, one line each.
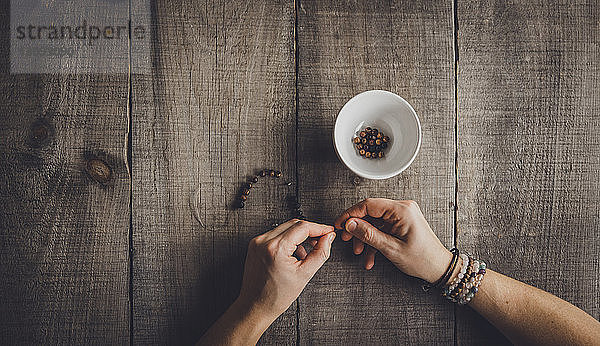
(218,107)
(63,236)
(529,147)
(346,47)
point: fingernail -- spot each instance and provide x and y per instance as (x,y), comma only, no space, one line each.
(331,237)
(351,225)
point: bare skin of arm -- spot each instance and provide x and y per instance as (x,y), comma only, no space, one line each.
(528,315)
(241,324)
(525,314)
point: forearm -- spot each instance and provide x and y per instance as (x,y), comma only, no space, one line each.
(241,324)
(529,315)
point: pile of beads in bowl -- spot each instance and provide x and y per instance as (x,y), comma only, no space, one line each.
(371,143)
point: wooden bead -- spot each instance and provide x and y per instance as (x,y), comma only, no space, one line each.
(386,139)
(255,179)
(368,154)
(246,192)
(362,152)
(278,174)
(378,142)
(356,140)
(243,197)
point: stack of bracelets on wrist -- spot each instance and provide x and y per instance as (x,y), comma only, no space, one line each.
(462,289)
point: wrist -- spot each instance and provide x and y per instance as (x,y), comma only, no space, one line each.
(241,324)
(438,266)
(455,272)
(258,315)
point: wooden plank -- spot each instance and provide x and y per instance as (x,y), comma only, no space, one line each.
(529,149)
(63,235)
(345,48)
(218,107)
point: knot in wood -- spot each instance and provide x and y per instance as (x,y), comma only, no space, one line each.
(40,133)
(99,170)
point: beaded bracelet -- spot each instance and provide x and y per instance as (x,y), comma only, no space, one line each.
(456,287)
(461,273)
(464,287)
(460,289)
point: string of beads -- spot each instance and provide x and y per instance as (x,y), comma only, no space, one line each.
(245,191)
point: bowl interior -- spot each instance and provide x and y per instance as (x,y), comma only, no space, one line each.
(390,114)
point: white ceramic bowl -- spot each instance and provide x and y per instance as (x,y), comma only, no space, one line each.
(387,112)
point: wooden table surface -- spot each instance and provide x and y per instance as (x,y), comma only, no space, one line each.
(507,94)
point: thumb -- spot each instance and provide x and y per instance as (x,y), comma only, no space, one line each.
(319,254)
(369,234)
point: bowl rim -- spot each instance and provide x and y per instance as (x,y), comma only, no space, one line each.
(403,167)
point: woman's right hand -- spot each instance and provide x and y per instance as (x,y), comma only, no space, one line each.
(400,232)
(404,237)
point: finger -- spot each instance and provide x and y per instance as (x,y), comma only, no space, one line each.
(300,231)
(300,252)
(370,257)
(370,235)
(312,242)
(374,207)
(319,255)
(358,246)
(378,223)
(346,236)
(279,229)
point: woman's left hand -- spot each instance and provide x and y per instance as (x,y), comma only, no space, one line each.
(273,277)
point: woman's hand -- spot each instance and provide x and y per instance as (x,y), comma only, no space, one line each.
(400,232)
(273,277)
